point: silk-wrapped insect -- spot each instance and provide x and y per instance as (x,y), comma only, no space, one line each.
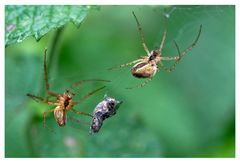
(105,109)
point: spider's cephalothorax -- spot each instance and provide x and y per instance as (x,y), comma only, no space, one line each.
(63,102)
(154,56)
(105,109)
(147,66)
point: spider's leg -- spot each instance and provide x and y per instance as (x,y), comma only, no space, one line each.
(88,95)
(44,119)
(177,58)
(141,34)
(82,113)
(37,98)
(84,98)
(46,76)
(180,54)
(78,121)
(169,58)
(193,44)
(85,81)
(162,66)
(126,64)
(163,41)
(141,85)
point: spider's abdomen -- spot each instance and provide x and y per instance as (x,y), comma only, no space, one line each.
(144,70)
(60,116)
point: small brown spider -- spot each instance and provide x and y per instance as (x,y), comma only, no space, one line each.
(147,66)
(64,101)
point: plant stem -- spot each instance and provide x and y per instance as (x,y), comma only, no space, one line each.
(54,46)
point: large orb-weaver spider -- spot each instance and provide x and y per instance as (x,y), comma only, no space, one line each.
(64,101)
(147,66)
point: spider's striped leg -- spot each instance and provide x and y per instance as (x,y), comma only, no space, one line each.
(180,54)
(169,58)
(127,64)
(163,40)
(193,44)
(177,58)
(141,34)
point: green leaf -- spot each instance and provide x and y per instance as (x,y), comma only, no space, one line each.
(24,21)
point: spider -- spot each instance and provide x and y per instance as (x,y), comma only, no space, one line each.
(64,101)
(147,66)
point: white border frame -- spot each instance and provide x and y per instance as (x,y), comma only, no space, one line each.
(122,2)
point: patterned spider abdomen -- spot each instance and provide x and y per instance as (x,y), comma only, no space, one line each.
(105,109)
(144,70)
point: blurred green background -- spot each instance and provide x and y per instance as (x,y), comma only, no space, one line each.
(189,112)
